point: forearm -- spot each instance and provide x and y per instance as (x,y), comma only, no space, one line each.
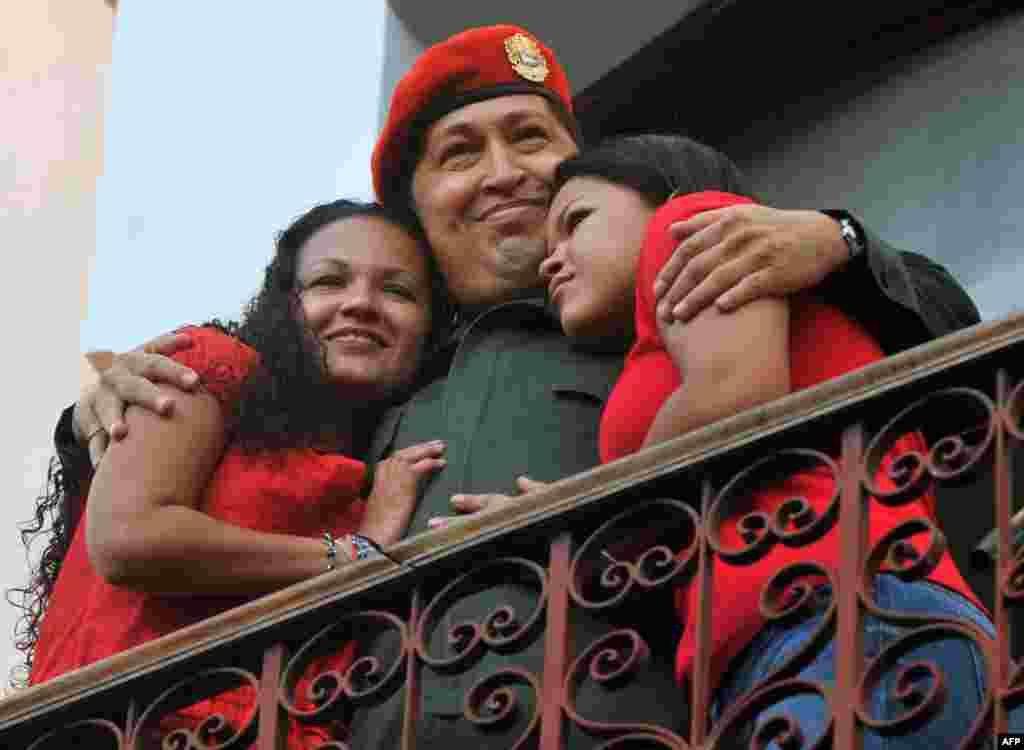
(727,362)
(902,298)
(702,401)
(177,550)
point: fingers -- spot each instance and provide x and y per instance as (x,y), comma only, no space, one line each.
(474,503)
(97,444)
(747,290)
(107,412)
(712,285)
(414,453)
(466,503)
(428,465)
(167,344)
(89,431)
(156,368)
(131,381)
(119,389)
(128,379)
(699,255)
(424,457)
(526,484)
(682,231)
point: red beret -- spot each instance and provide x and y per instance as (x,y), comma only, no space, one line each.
(471,66)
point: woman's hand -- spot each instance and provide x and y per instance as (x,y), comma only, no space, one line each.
(466,504)
(129,379)
(396,482)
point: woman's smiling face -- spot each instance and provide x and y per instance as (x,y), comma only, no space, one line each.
(365,292)
(595,230)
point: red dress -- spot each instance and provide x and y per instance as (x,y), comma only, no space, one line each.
(823,343)
(301,492)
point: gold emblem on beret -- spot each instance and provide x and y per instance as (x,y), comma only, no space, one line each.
(526,58)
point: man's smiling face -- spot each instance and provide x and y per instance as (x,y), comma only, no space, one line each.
(481,190)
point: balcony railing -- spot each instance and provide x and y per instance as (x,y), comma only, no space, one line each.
(590,565)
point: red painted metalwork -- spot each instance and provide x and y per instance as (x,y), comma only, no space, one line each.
(853,531)
(556,642)
(271,731)
(412,680)
(614,565)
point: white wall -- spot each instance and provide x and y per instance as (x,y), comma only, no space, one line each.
(226,120)
(930,152)
(54,57)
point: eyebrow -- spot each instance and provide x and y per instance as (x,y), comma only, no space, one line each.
(509,119)
(560,219)
(387,272)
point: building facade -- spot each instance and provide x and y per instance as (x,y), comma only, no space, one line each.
(909,116)
(53,85)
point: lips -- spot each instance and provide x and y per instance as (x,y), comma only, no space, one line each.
(498,209)
(556,286)
(353,333)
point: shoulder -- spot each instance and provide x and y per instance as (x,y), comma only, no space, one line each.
(659,243)
(221,361)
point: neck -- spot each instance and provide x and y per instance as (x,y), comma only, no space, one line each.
(350,427)
(470,311)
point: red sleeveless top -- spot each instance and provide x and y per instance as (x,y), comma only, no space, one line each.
(301,492)
(823,343)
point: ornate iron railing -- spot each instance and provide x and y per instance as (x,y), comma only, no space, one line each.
(552,621)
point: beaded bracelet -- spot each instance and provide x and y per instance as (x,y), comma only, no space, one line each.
(332,550)
(359,548)
(362,547)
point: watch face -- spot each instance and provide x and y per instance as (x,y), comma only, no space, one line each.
(851,237)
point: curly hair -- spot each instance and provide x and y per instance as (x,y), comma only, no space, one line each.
(56,512)
(280,402)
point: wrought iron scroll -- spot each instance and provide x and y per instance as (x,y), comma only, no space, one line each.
(616,569)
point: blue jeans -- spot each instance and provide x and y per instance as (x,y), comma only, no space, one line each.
(960,661)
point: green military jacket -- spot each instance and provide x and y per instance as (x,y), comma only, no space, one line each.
(516,399)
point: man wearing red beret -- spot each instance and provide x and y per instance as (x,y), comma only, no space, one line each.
(473,136)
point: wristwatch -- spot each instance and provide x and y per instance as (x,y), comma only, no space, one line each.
(849,231)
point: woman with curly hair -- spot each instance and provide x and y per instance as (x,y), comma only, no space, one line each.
(253,483)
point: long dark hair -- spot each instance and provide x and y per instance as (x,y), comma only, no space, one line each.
(280,404)
(656,166)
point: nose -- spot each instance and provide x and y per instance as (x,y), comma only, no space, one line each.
(504,171)
(358,300)
(551,265)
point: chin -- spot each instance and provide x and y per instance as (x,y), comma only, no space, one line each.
(595,334)
(519,257)
(365,386)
